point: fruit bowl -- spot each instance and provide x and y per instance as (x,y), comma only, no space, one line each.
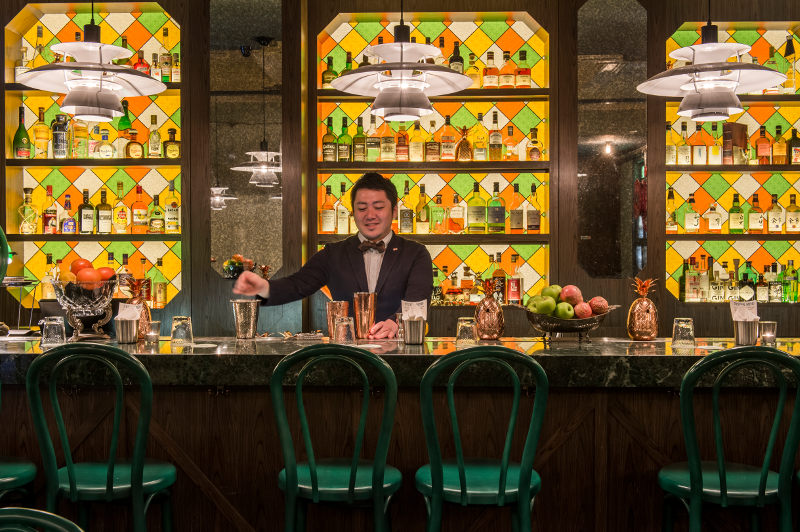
(547,325)
(84,301)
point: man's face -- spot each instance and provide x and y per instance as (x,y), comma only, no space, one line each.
(373,213)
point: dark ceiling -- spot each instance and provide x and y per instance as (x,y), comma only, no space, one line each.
(235,22)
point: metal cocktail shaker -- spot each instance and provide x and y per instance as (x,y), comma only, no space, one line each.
(364,309)
(245,317)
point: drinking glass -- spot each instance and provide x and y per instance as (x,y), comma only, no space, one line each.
(53,332)
(768,330)
(466,332)
(181,330)
(344,331)
(400,329)
(153,333)
(683,332)
(336,309)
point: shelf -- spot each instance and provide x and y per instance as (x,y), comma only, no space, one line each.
(732,168)
(493,238)
(92,162)
(93,238)
(450,167)
(475,95)
(18,87)
(716,236)
(744,98)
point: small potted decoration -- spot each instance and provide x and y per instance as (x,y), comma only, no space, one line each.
(643,315)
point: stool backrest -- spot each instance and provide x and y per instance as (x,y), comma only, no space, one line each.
(4,250)
(723,363)
(358,359)
(454,364)
(56,360)
(25,519)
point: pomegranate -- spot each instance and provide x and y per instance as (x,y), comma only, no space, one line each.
(599,305)
(571,294)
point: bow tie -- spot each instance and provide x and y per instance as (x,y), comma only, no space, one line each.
(366,245)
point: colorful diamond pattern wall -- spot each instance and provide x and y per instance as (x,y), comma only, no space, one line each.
(493,34)
(759,253)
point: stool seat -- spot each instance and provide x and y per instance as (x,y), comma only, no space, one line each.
(483,481)
(90,479)
(333,478)
(15,473)
(741,480)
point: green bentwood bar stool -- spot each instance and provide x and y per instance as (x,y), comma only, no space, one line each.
(481,482)
(697,482)
(84,482)
(28,519)
(346,480)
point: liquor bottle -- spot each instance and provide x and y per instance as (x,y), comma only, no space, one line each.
(327,214)
(506,78)
(467,280)
(80,139)
(775,286)
(172,147)
(793,215)
(48,292)
(141,64)
(342,212)
(416,145)
(789,86)
(172,211)
(447,141)
(763,146)
(147,287)
(155,218)
(124,123)
(344,144)
(123,274)
(713,219)
(499,282)
(422,213)
(476,211)
(522,74)
(348,63)
(533,213)
(699,149)
(490,73)
(749,271)
(793,148)
(672,213)
(671,146)
(762,290)
(715,149)
(49,212)
(510,146)
(155,67)
(329,147)
(747,288)
(159,284)
(139,214)
(480,140)
(329,74)
(716,290)
(473,72)
(176,68)
(732,288)
(455,216)
(790,283)
(437,295)
(364,61)
(755,218)
(123,61)
(439,58)
(59,136)
(388,142)
(104,149)
(104,215)
(359,142)
(464,148)
(134,148)
(496,211)
(692,283)
(373,141)
(432,145)
(774,216)
(405,213)
(514,282)
(67,221)
(154,139)
(703,280)
(779,148)
(86,218)
(21,65)
(535,149)
(495,140)
(401,144)
(165,57)
(683,149)
(438,217)
(456,62)
(28,214)
(736,217)
(691,218)
(120,217)
(21,147)
(516,212)
(771,63)
(682,281)
(37,59)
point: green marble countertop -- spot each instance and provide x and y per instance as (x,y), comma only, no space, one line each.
(603,363)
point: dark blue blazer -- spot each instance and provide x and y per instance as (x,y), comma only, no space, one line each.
(406,274)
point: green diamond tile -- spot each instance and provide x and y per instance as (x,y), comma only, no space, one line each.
(368,30)
(526,251)
(494,29)
(716,186)
(121,248)
(178,183)
(777,120)
(777,248)
(152,22)
(176,248)
(462,184)
(526,119)
(746,36)
(532,56)
(399,181)
(59,250)
(685,38)
(463,251)
(430,29)
(83,18)
(57,180)
(463,118)
(776,184)
(337,115)
(176,117)
(339,56)
(128,182)
(716,248)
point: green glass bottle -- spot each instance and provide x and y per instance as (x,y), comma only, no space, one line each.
(329,143)
(22,142)
(476,211)
(124,123)
(736,217)
(344,144)
(359,142)
(496,212)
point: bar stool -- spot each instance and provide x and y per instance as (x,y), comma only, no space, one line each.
(481,482)
(19,519)
(697,482)
(348,480)
(138,480)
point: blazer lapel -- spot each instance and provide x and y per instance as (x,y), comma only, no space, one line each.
(356,258)
(390,257)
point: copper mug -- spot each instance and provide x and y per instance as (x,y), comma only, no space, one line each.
(336,309)
(364,309)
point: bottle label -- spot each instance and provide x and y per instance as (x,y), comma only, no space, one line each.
(499,289)
(406,221)
(479,154)
(23,151)
(342,221)
(691,222)
(423,227)
(401,152)
(105,151)
(715,155)
(793,222)
(87,221)
(515,219)
(19,70)
(490,80)
(496,215)
(458,66)
(104,220)
(135,150)
(68,226)
(160,294)
(736,221)
(795,155)
(432,151)
(343,152)
(523,80)
(775,222)
(176,75)
(172,151)
(514,287)
(172,218)
(717,292)
(762,294)
(59,144)
(763,149)
(684,154)
(49,222)
(360,152)
(457,212)
(672,154)
(672,225)
(154,145)
(476,215)
(506,80)
(327,221)
(140,217)
(448,147)
(756,221)
(714,222)
(699,155)
(746,293)
(373,148)
(534,220)
(388,149)
(156,225)
(329,151)
(535,154)
(416,151)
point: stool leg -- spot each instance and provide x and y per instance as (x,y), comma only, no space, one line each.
(524,516)
(515,518)
(300,520)
(83,515)
(695,516)
(290,512)
(434,514)
(667,515)
(755,520)
(166,512)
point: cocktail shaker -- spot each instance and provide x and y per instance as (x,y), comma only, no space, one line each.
(364,309)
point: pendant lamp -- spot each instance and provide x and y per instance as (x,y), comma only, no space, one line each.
(218,198)
(401,81)
(93,84)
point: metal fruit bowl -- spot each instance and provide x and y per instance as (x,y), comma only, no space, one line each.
(546,324)
(86,301)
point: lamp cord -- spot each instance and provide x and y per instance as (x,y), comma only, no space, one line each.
(92,12)
(263,95)
(214,155)
(709,12)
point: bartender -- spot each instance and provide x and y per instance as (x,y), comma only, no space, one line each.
(373,260)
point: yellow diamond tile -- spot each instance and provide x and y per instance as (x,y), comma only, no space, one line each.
(353,42)
(791,254)
(107,33)
(39,174)
(172,265)
(729,257)
(672,287)
(168,104)
(673,259)
(170,173)
(104,174)
(540,75)
(353,110)
(478,42)
(791,113)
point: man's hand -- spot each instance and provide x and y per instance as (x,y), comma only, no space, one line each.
(383,329)
(250,284)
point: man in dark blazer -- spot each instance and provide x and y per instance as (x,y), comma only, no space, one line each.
(374,260)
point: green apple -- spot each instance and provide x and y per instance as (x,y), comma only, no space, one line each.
(553,291)
(543,304)
(564,311)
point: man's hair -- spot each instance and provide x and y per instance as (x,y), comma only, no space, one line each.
(375,181)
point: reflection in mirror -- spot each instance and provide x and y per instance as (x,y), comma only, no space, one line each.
(245,111)
(612,137)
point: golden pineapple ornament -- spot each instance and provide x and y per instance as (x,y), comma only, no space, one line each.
(643,314)
(464,148)
(139,294)
(489,316)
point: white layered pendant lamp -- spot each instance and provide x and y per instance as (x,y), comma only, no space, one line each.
(401,81)
(709,82)
(94,86)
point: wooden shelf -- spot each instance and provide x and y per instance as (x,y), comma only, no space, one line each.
(93,238)
(92,162)
(747,237)
(473,95)
(681,168)
(745,98)
(453,167)
(493,238)
(18,87)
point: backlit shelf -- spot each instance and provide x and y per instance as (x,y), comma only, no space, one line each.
(91,162)
(441,166)
(768,237)
(479,95)
(93,238)
(456,239)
